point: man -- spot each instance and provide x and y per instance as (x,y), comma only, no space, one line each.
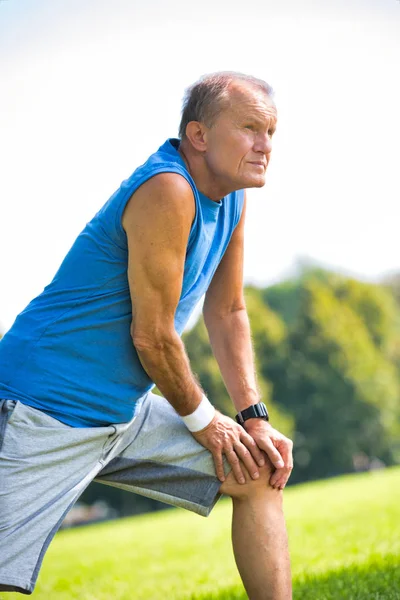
(77,366)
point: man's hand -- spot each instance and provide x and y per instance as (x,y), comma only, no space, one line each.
(224,436)
(277,447)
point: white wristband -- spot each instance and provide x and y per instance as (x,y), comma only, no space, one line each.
(201,417)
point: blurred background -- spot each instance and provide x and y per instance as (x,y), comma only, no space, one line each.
(89,88)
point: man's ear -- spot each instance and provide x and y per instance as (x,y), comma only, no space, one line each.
(196,134)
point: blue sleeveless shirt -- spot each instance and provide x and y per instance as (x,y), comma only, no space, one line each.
(69,353)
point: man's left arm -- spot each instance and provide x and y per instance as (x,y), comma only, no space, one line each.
(228,327)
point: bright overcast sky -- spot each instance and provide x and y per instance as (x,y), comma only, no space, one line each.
(90,88)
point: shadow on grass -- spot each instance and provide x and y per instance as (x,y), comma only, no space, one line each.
(376,581)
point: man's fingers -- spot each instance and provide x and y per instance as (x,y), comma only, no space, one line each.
(273,454)
(219,466)
(281,476)
(247,459)
(250,443)
(277,479)
(233,460)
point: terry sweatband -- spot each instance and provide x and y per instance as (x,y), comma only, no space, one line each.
(201,417)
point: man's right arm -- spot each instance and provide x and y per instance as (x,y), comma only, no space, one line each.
(157,221)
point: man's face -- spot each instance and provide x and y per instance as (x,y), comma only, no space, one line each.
(239,141)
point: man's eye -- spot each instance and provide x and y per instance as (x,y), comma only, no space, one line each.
(250,127)
(271,132)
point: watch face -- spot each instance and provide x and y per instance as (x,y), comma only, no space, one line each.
(260,410)
(263,409)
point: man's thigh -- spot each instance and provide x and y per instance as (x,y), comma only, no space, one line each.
(163,461)
(44,467)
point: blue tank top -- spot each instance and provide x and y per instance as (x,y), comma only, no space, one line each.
(69,353)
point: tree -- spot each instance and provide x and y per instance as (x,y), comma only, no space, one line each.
(343,391)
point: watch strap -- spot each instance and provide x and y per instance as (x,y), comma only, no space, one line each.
(255,411)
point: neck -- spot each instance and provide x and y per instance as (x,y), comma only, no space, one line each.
(205,181)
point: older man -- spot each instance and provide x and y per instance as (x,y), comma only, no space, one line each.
(78,365)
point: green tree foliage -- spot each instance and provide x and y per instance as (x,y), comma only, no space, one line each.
(392,286)
(338,380)
(377,309)
(284,299)
(392,283)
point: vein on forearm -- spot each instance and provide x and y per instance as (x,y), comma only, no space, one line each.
(230,338)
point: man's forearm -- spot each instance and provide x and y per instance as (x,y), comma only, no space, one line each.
(230,339)
(166,363)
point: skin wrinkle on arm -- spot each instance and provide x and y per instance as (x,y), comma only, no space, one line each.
(157,221)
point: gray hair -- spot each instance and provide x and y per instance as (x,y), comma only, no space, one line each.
(205,99)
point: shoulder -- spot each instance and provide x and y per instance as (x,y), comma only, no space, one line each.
(165,193)
(168,184)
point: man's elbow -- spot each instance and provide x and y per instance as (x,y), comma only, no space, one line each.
(152,341)
(212,313)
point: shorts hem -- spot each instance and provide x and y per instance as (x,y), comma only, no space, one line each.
(213,495)
(15,585)
(201,506)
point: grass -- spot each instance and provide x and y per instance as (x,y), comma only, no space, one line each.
(344,538)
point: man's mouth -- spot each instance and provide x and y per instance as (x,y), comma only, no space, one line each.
(258,163)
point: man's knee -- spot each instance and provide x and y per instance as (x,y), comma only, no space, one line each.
(252,487)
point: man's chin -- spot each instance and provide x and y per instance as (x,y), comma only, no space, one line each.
(255,182)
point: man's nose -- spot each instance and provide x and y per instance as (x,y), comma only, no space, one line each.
(263,143)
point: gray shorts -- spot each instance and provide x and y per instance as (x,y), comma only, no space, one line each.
(46,465)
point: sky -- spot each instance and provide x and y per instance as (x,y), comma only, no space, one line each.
(89,89)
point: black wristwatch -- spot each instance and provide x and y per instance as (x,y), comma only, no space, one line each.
(255,411)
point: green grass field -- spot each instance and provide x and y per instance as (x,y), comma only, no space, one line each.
(344,538)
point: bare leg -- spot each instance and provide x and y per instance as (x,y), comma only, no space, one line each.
(259,537)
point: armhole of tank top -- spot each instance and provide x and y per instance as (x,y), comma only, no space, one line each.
(239,206)
(165,168)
